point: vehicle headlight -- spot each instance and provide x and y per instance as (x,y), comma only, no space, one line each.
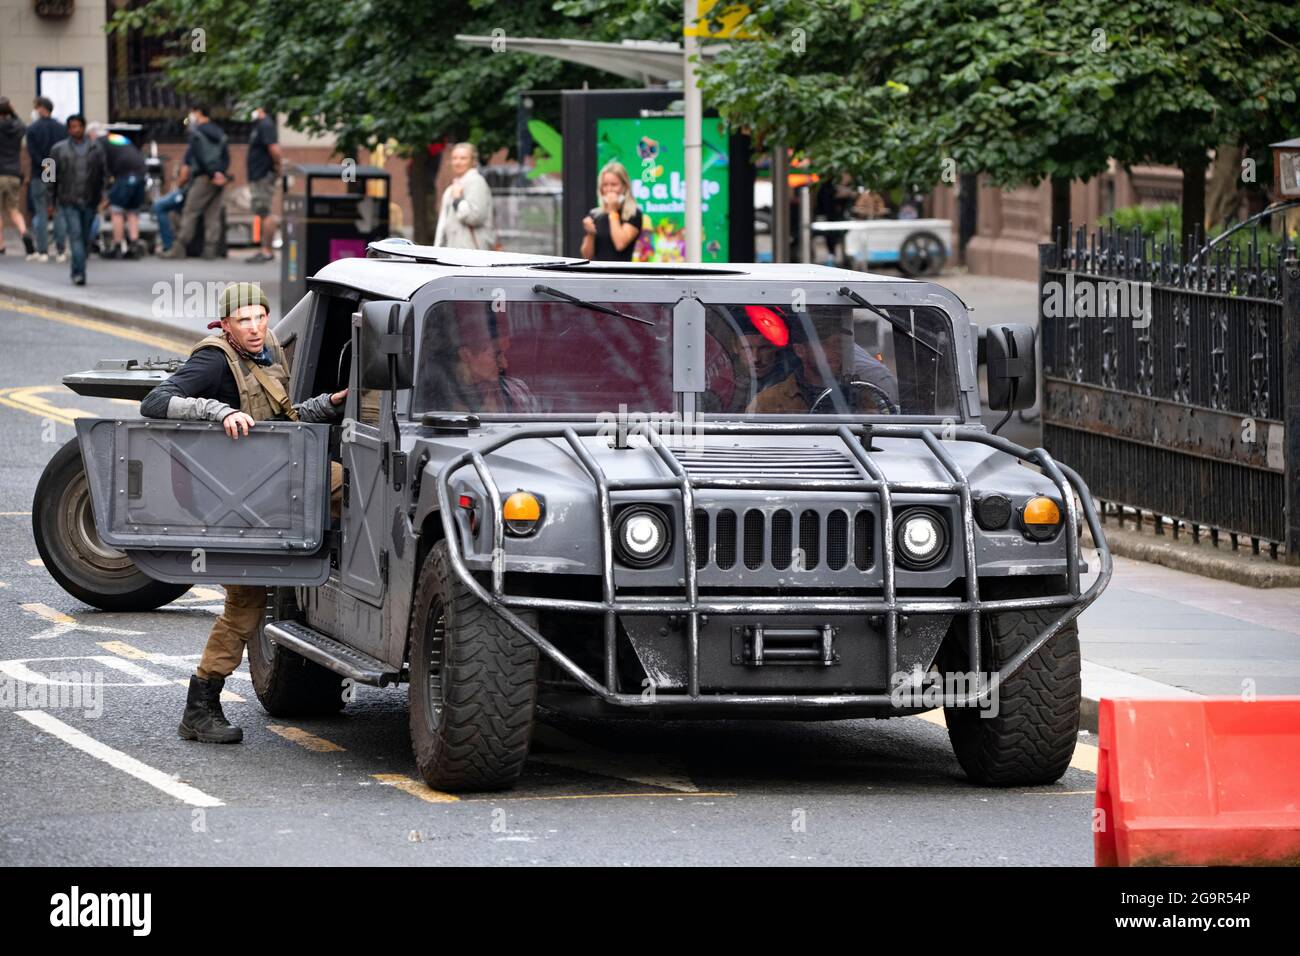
(641,536)
(920,538)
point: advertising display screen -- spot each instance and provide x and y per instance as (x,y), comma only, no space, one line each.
(651,150)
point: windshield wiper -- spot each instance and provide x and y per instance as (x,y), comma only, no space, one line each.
(547,290)
(898,324)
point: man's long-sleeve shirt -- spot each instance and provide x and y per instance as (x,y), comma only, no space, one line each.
(203,389)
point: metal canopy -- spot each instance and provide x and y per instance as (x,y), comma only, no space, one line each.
(642,60)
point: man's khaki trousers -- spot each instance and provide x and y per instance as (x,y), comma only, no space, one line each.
(245,608)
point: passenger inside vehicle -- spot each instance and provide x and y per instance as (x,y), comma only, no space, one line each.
(817,381)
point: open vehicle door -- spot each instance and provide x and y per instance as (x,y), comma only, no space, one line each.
(189,504)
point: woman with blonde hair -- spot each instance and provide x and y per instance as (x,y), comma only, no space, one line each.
(612,227)
(465,220)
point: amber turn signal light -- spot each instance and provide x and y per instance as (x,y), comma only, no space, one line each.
(1040,518)
(521,512)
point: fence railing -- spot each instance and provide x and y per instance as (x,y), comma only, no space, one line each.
(1173,384)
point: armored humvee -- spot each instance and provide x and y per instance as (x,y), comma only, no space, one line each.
(706,491)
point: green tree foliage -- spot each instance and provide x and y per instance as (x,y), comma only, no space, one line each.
(1016,89)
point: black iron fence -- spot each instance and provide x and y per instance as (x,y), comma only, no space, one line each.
(1172,382)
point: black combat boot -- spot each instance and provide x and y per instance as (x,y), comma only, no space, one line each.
(203,720)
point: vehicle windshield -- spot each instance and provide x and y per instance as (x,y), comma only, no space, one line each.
(557,358)
(828,360)
(545,358)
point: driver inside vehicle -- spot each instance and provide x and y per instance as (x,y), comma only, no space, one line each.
(479,379)
(818,383)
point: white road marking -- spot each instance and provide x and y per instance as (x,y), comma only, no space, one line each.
(19,671)
(63,623)
(115,758)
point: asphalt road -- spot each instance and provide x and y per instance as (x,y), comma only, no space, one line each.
(108,781)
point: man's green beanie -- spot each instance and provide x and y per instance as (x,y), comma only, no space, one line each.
(239,294)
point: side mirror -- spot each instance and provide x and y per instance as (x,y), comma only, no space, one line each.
(387,347)
(1012,368)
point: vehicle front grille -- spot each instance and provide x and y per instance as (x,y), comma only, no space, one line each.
(783,538)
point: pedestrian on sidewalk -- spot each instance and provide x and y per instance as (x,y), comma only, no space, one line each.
(611,229)
(237,377)
(264,160)
(11,174)
(465,219)
(125,193)
(79,173)
(172,203)
(42,134)
(209,153)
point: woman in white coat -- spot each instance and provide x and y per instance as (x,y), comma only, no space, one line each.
(465,220)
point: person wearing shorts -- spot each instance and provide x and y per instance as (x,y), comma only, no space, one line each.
(263,170)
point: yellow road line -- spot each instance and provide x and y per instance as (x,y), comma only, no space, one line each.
(123,649)
(97,325)
(28,398)
(14,514)
(304,739)
(48,613)
(200,595)
(227,696)
(416,788)
(598,796)
(1085,755)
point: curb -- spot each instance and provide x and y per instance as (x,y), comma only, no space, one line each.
(1237,567)
(124,319)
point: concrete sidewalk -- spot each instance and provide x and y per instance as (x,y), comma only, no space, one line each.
(1156,631)
(148,294)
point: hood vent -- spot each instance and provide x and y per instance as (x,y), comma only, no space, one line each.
(771,462)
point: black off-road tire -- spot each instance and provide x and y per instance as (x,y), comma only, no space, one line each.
(289,685)
(473,690)
(63,525)
(1031,740)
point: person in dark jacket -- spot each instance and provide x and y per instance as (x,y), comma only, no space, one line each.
(44,132)
(80,170)
(209,172)
(125,192)
(11,174)
(238,377)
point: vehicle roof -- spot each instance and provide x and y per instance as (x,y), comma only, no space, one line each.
(398,269)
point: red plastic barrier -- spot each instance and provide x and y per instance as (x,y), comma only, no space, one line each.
(1198,782)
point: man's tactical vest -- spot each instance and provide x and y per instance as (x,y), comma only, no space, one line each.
(263,389)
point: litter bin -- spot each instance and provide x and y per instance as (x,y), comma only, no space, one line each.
(330,212)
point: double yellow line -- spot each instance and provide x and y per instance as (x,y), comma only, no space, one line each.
(30,398)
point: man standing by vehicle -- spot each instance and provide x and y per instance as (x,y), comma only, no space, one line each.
(44,132)
(238,377)
(209,153)
(79,173)
(263,170)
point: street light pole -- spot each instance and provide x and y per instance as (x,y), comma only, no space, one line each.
(691,136)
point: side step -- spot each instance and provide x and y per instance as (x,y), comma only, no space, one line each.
(327,652)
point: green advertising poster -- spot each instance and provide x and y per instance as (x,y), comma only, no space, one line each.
(651,150)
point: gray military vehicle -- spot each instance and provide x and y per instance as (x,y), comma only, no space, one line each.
(733,491)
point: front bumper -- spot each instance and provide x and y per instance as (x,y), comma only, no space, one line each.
(886,608)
